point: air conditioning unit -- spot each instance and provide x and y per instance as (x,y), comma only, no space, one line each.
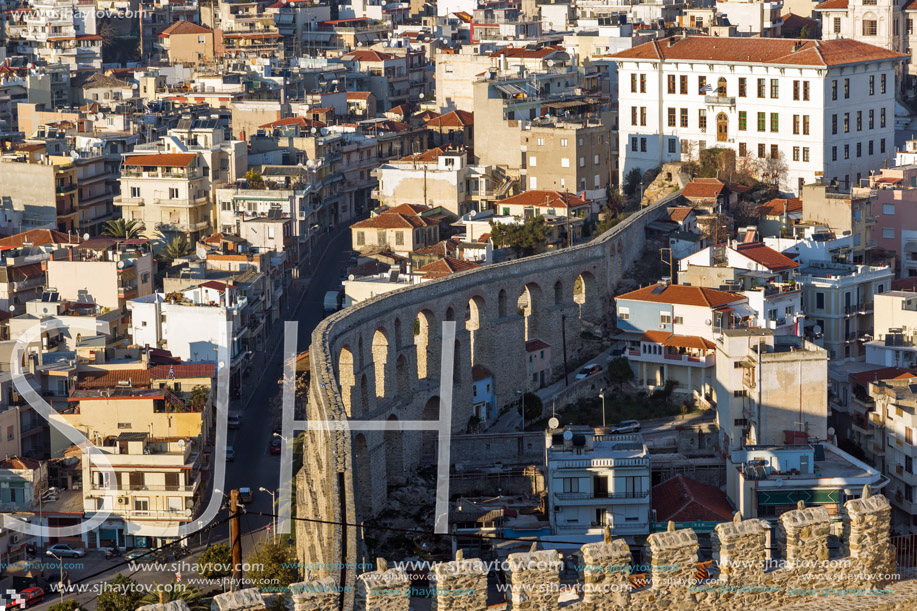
(122,500)
(15,538)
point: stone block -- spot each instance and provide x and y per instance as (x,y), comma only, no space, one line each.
(606,572)
(803,534)
(460,585)
(534,579)
(314,595)
(175,605)
(241,600)
(739,549)
(672,557)
(383,590)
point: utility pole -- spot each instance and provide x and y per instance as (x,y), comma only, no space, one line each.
(235,539)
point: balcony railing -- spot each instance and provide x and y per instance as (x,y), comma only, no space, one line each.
(581,496)
(719,100)
(148,487)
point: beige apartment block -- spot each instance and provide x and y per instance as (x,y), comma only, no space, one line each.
(187,43)
(33,182)
(167,193)
(571,156)
(844,213)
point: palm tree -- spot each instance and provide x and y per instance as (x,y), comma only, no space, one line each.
(120,228)
(175,248)
(192,597)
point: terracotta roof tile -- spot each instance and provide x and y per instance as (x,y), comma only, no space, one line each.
(446,266)
(300,121)
(38,237)
(183,370)
(408,209)
(479,372)
(780,51)
(535,344)
(680,213)
(766,256)
(428,155)
(445,248)
(682,295)
(704,189)
(19,462)
(863,378)
(456,118)
(832,5)
(526,53)
(544,199)
(358,95)
(392,221)
(162,160)
(665,338)
(184,27)
(365,55)
(139,378)
(682,499)
(777,207)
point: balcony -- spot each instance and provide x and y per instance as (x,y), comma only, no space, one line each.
(719,100)
(600,496)
(62,189)
(149,488)
(877,449)
(622,528)
(182,227)
(861,425)
(181,203)
(673,358)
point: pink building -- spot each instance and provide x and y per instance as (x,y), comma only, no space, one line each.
(894,208)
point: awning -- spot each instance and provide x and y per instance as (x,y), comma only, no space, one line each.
(743,310)
(32,270)
(509,89)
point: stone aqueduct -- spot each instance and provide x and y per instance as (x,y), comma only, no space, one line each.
(380,360)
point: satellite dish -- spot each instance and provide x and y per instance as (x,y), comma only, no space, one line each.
(422,96)
(779,481)
(708,322)
(550,63)
(310,164)
(816,329)
(181,443)
(553,423)
(314,130)
(85,236)
(830,431)
(568,435)
(324,131)
(120,264)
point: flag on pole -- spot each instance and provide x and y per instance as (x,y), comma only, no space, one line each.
(172,372)
(706,88)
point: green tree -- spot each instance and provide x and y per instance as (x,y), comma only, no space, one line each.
(175,248)
(67,605)
(254,179)
(120,228)
(525,239)
(532,406)
(122,595)
(632,181)
(272,566)
(172,592)
(804,32)
(216,562)
(619,371)
(199,396)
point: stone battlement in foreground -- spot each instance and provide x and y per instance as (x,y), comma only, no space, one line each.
(743,576)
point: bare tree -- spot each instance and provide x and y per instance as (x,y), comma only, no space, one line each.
(773,170)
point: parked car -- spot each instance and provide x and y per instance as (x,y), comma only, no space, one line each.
(588,370)
(141,554)
(233,420)
(230,454)
(616,353)
(626,426)
(245,495)
(62,550)
(32,596)
(275,445)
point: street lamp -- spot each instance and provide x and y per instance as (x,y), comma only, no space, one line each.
(602,397)
(273,512)
(60,574)
(521,396)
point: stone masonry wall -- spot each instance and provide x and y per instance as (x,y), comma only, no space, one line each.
(743,576)
(373,362)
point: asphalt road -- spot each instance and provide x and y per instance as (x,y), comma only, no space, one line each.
(254,467)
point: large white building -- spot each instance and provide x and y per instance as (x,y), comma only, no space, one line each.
(795,111)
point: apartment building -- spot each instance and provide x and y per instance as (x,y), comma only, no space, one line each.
(753,17)
(763,275)
(596,481)
(670,331)
(167,193)
(396,231)
(794,111)
(22,275)
(767,384)
(838,299)
(569,155)
(435,177)
(893,194)
(42,187)
(890,433)
(844,213)
(62,32)
(892,342)
(104,271)
(187,43)
(388,76)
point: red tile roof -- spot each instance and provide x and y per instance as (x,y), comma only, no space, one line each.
(780,51)
(19,462)
(214,284)
(479,372)
(707,189)
(445,248)
(139,378)
(665,338)
(680,213)
(766,256)
(428,155)
(682,499)
(535,344)
(358,95)
(831,5)
(456,118)
(183,370)
(365,55)
(526,53)
(300,121)
(392,221)
(409,209)
(446,266)
(777,206)
(162,160)
(682,295)
(544,199)
(910,6)
(863,378)
(39,237)
(184,27)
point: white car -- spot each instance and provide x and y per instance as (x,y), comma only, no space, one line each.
(588,370)
(62,550)
(626,426)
